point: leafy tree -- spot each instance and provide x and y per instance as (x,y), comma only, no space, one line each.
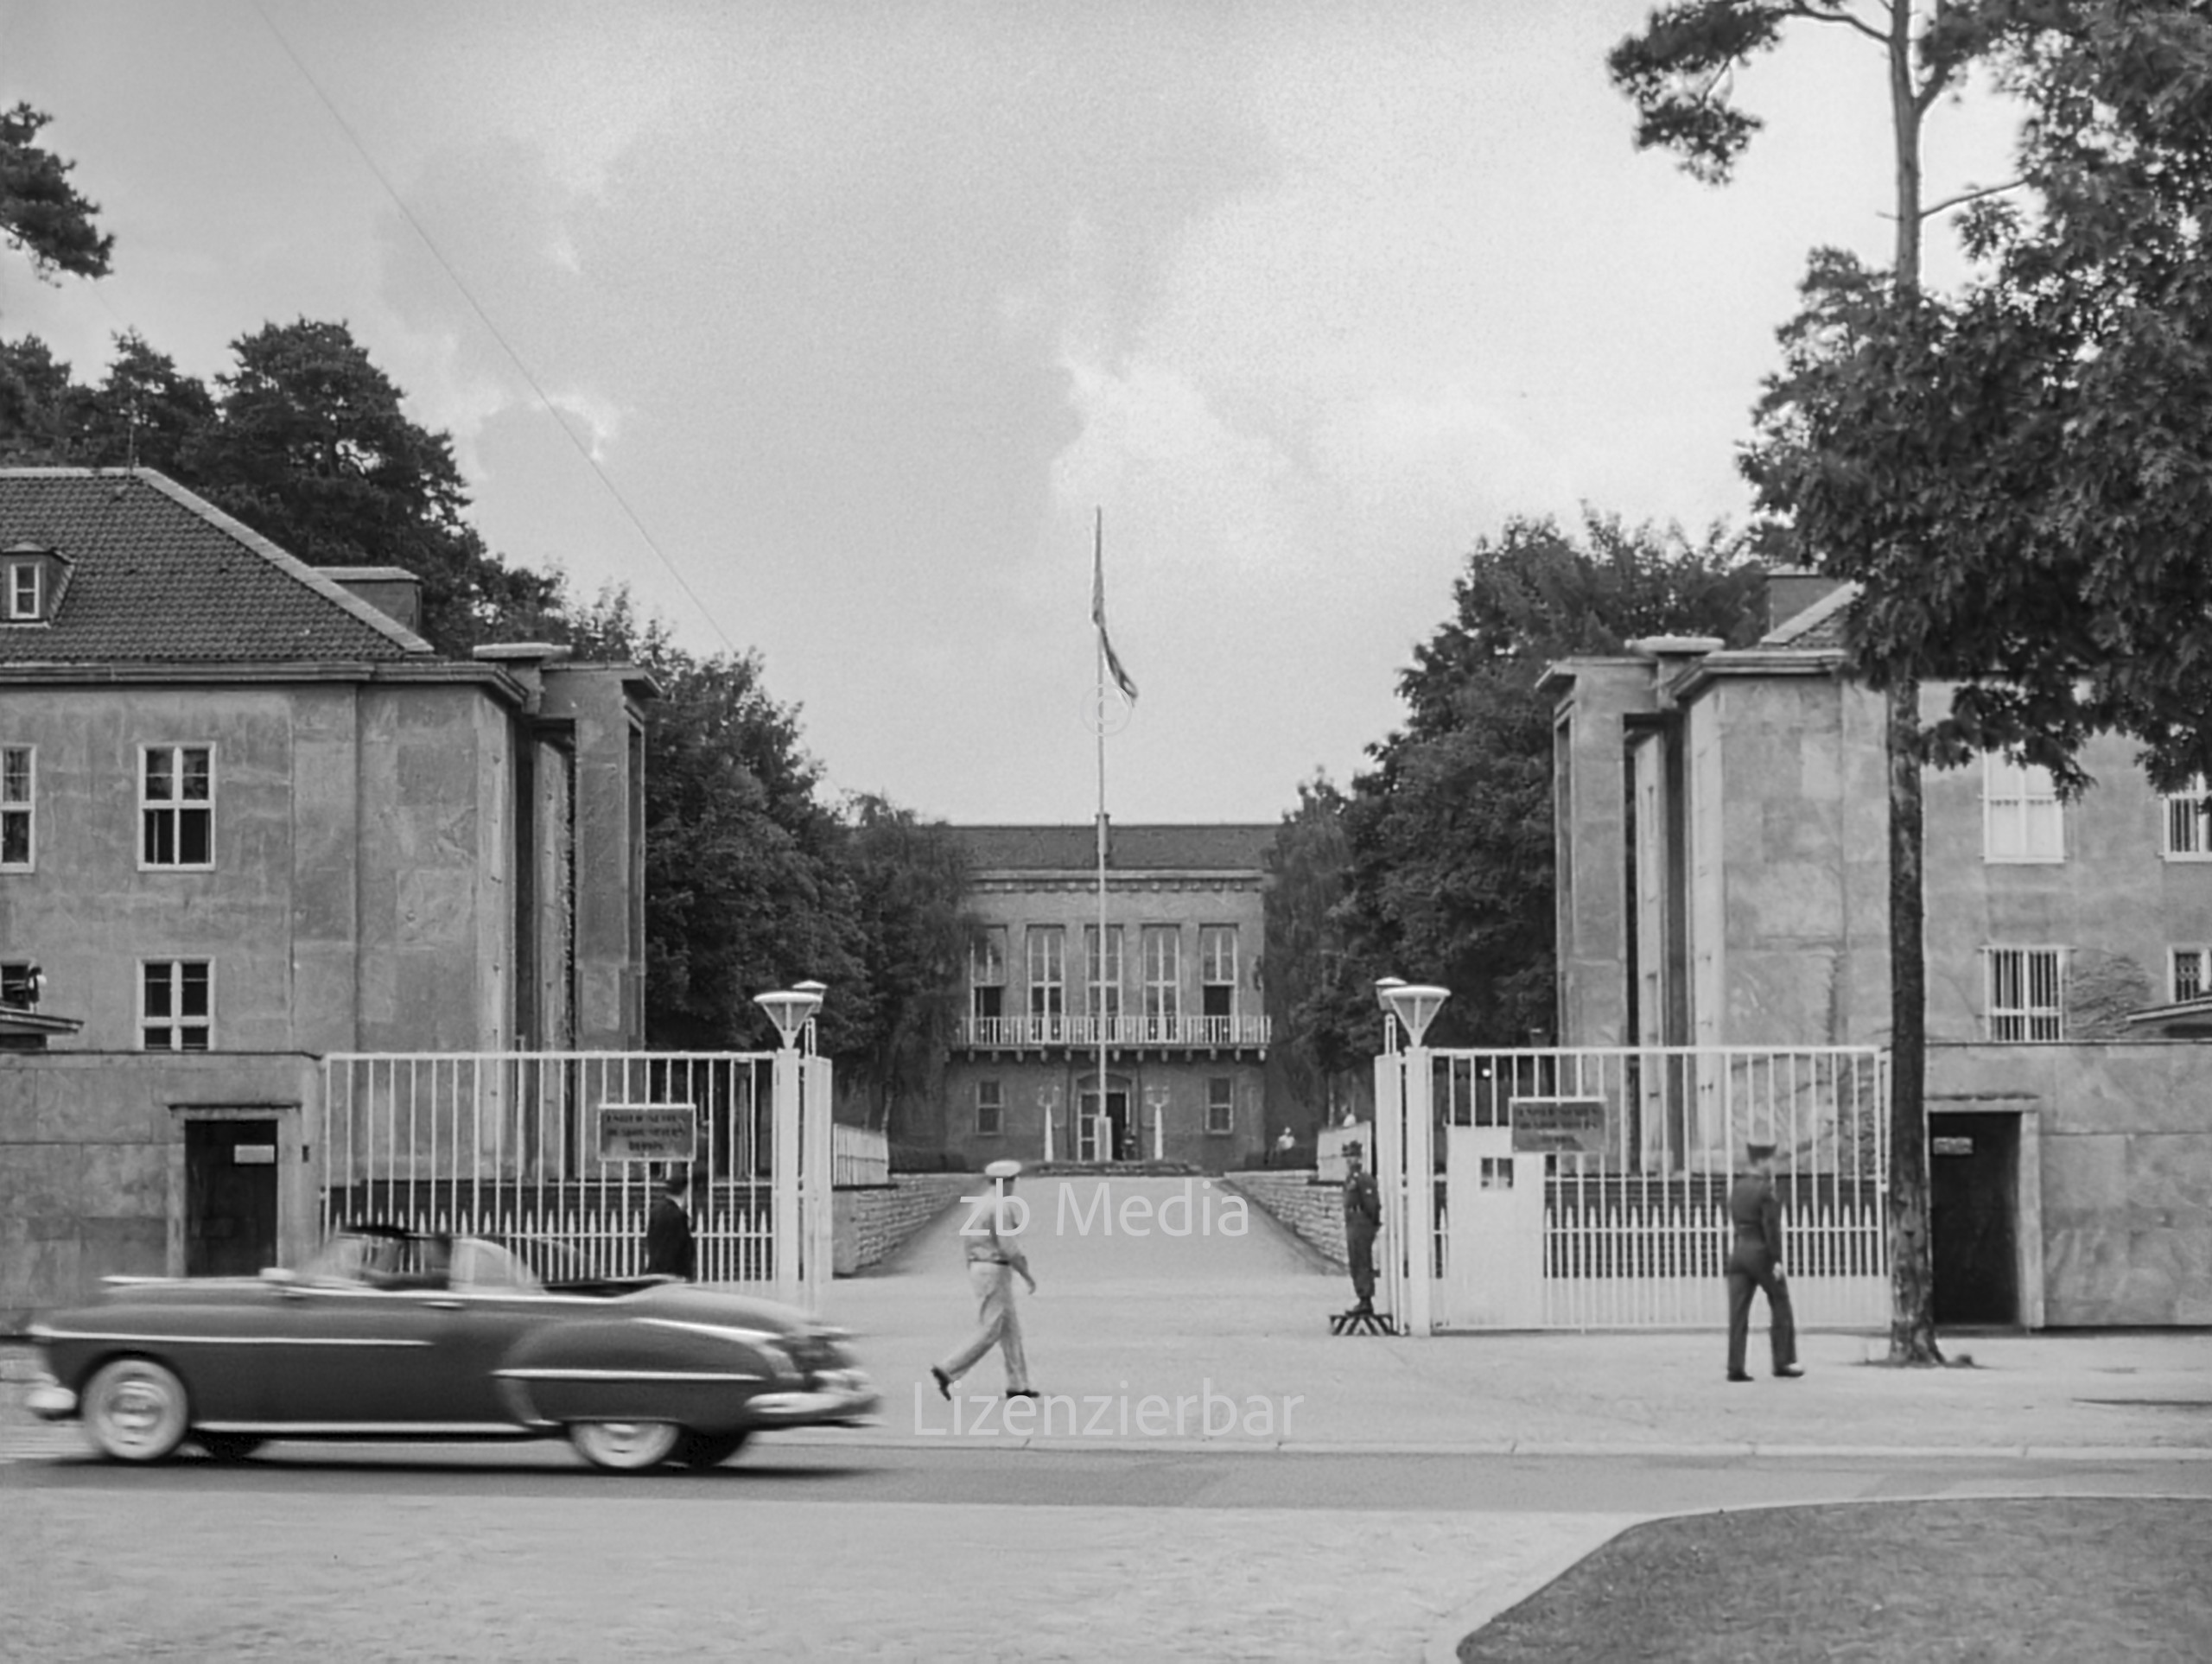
(310,448)
(1679,73)
(43,409)
(42,214)
(745,888)
(2043,529)
(1451,836)
(1320,994)
(910,878)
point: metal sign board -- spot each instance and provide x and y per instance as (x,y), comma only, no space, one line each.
(1559,1126)
(253,1155)
(1952,1147)
(648,1131)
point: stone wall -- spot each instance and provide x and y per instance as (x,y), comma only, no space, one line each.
(873,1221)
(92,1179)
(1311,1210)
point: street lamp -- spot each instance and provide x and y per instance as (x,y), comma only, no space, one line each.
(1384,987)
(1414,1004)
(792,1009)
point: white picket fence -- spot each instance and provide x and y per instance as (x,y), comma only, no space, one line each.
(1632,1230)
(516,1145)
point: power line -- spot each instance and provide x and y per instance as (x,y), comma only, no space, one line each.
(493,330)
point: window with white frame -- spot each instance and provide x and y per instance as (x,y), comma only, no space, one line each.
(1218,969)
(1163,948)
(18,808)
(176,805)
(2021,816)
(1048,976)
(990,1108)
(2027,993)
(2188,824)
(986,973)
(176,1005)
(1105,992)
(26,591)
(2190,966)
(1221,1106)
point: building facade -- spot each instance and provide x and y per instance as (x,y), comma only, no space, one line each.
(1722,827)
(1170,991)
(248,817)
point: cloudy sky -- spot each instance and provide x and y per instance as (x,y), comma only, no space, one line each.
(865,309)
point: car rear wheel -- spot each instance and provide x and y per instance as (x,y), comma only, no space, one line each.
(625,1446)
(134,1411)
(700,1450)
(228,1447)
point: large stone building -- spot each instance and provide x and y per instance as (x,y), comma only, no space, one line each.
(1178,1005)
(1723,881)
(248,817)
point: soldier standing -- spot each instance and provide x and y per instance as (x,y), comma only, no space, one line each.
(1755,1261)
(670,1250)
(1363,1218)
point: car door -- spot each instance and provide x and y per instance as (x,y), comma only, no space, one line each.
(352,1356)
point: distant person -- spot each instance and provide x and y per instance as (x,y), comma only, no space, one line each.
(1286,1142)
(993,1263)
(670,1250)
(1363,1218)
(1755,1261)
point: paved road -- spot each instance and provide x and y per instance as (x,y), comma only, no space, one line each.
(1415,1489)
(520,1553)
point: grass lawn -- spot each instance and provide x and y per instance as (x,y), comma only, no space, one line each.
(2086,1579)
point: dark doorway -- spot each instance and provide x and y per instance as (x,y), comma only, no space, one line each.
(230,1197)
(1973,1161)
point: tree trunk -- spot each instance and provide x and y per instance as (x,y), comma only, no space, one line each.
(1912,1279)
(1912,1264)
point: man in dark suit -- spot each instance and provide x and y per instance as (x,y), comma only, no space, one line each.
(1755,1261)
(670,1249)
(1363,1218)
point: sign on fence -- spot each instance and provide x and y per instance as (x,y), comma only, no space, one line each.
(647,1132)
(1559,1126)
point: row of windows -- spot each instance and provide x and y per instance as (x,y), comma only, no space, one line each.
(2026,988)
(176,808)
(1160,957)
(990,1108)
(2023,820)
(176,1002)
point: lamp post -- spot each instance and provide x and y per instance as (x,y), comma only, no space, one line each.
(800,1135)
(1414,1005)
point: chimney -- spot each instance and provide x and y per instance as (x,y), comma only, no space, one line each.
(392,590)
(1791,589)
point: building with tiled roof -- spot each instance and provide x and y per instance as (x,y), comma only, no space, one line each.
(1177,1011)
(1721,818)
(248,817)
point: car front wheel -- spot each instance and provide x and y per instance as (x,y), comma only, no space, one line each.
(134,1411)
(625,1446)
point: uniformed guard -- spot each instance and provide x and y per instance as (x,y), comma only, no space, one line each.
(1755,1261)
(671,1249)
(1363,1218)
(992,1262)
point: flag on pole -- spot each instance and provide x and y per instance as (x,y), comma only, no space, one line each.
(1098,612)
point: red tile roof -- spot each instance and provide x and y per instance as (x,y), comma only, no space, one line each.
(158,575)
(1213,847)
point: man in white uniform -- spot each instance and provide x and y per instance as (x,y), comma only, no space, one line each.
(993,1261)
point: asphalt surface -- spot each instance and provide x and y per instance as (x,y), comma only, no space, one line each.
(1413,1490)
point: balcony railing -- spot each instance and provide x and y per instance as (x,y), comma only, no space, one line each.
(1035,1033)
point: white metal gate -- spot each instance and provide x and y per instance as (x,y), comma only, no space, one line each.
(1631,1231)
(508,1144)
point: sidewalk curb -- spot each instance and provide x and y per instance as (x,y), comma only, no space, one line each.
(862,1439)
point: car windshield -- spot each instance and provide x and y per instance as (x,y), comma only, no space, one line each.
(399,1260)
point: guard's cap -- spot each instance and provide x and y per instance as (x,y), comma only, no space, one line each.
(1006,1169)
(1759,1152)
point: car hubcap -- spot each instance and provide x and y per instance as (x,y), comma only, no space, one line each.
(135,1409)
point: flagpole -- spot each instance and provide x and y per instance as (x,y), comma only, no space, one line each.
(1098,570)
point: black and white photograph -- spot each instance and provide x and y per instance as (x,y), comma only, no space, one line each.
(1105,829)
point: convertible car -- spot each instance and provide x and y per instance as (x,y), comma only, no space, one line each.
(393,1334)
